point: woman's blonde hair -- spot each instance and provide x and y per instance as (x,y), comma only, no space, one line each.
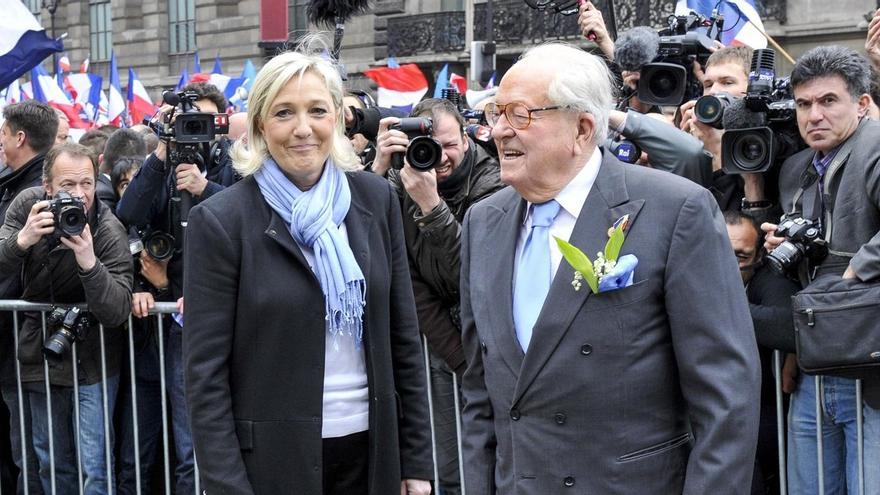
(248,155)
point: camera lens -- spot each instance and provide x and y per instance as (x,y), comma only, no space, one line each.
(785,257)
(750,151)
(423,153)
(663,84)
(709,110)
(194,127)
(72,220)
(58,345)
(159,245)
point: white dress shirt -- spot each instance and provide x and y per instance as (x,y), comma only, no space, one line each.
(571,199)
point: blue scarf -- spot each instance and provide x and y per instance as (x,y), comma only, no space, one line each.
(313,218)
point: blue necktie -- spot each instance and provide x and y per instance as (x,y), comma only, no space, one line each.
(534,272)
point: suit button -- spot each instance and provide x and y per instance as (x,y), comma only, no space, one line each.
(483,347)
(273,233)
(514,414)
(560,418)
(568,481)
(586,349)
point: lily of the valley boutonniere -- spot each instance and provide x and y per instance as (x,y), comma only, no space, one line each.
(608,271)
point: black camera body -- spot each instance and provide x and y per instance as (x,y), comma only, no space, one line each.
(803,240)
(69,213)
(159,245)
(770,133)
(70,325)
(188,130)
(709,109)
(423,152)
(670,79)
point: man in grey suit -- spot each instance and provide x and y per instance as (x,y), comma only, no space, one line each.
(652,388)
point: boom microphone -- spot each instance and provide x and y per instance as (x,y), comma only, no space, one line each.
(636,47)
(737,116)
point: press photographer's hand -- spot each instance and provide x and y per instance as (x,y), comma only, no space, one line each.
(82,248)
(142,303)
(387,143)
(593,28)
(771,242)
(40,222)
(190,178)
(156,272)
(161,150)
(421,185)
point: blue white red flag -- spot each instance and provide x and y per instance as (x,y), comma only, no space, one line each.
(23,42)
(737,14)
(46,90)
(442,81)
(139,103)
(401,87)
(217,68)
(116,103)
(86,91)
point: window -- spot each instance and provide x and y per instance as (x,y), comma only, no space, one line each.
(297,17)
(36,8)
(451,5)
(100,29)
(182,22)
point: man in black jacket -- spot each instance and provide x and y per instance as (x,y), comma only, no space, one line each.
(66,268)
(433,203)
(27,134)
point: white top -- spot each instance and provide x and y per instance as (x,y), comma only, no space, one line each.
(571,199)
(346,395)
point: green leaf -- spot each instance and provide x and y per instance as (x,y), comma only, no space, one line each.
(580,262)
(615,243)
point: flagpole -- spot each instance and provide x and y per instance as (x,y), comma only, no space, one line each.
(772,42)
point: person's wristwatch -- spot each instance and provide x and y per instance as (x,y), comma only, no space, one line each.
(747,205)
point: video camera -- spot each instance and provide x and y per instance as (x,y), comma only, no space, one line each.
(761,129)
(71,325)
(669,79)
(69,215)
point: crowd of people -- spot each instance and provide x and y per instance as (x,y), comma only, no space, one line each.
(309,248)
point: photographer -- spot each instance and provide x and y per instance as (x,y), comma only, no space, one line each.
(151,205)
(835,184)
(434,202)
(60,266)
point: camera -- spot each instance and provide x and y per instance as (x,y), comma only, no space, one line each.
(669,79)
(69,213)
(186,129)
(423,152)
(71,324)
(803,240)
(709,109)
(764,131)
(159,245)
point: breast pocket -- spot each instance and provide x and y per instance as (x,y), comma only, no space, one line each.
(620,297)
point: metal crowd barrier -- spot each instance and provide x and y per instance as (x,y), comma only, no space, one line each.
(16,307)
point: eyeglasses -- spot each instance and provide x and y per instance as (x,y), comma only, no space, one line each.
(519,116)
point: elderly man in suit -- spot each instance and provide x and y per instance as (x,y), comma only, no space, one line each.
(652,388)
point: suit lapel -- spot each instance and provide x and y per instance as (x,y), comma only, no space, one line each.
(499,254)
(606,202)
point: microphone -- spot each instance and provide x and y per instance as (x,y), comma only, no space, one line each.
(763,71)
(332,12)
(636,47)
(738,116)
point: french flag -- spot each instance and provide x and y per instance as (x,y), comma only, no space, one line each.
(139,103)
(116,103)
(459,82)
(400,86)
(87,92)
(46,90)
(737,14)
(23,42)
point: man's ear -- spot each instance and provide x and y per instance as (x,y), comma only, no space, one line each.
(47,187)
(20,138)
(586,131)
(864,102)
(100,160)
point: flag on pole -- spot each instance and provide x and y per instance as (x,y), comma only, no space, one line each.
(23,42)
(400,86)
(64,63)
(197,66)
(183,81)
(139,103)
(217,68)
(459,82)
(87,92)
(238,88)
(737,14)
(442,81)
(46,90)
(116,103)
(84,66)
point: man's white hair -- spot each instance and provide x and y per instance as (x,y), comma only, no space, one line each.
(579,81)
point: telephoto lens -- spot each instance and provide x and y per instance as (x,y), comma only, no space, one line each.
(709,109)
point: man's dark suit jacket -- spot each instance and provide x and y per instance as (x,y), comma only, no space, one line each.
(254,346)
(650,389)
(853,197)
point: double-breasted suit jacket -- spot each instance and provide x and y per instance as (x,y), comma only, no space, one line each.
(650,389)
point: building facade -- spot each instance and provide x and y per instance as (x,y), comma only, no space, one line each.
(159,38)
